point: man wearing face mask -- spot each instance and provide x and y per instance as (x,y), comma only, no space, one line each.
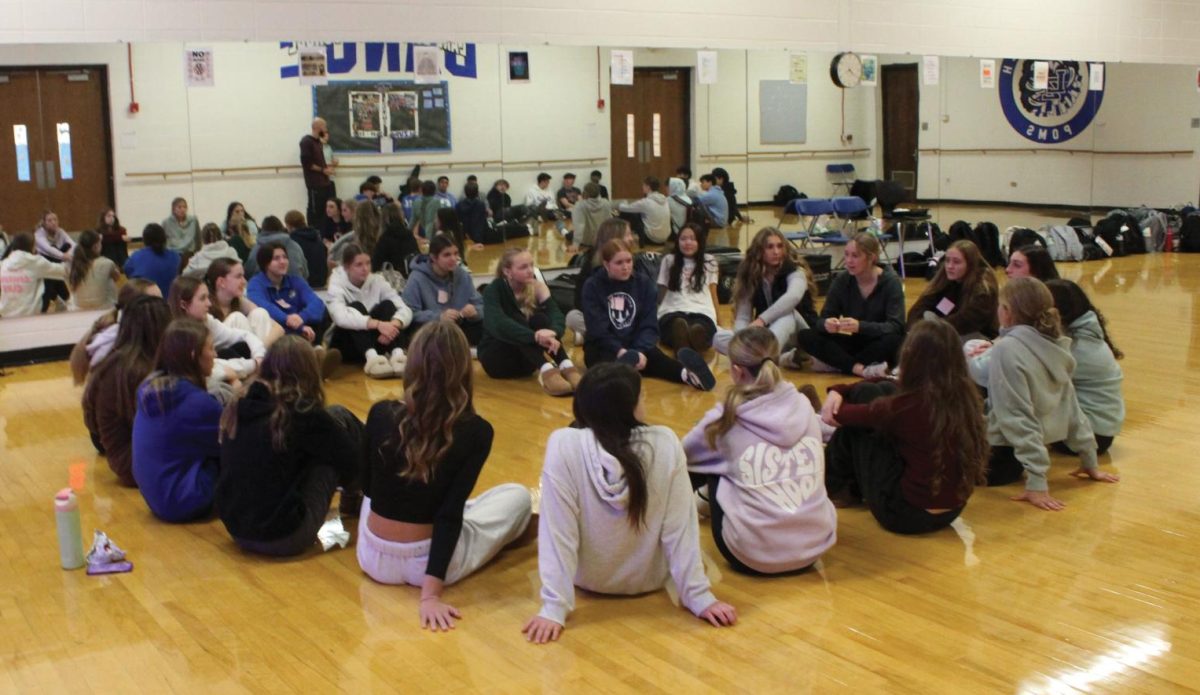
(316,171)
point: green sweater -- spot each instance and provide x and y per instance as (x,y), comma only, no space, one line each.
(503,321)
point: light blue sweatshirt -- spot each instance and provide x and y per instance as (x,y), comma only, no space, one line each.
(1097,376)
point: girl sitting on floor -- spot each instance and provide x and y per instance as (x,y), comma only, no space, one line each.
(687,294)
(1031,400)
(760,454)
(618,306)
(237,350)
(283,455)
(176,453)
(92,279)
(1032,261)
(110,394)
(963,292)
(423,457)
(23,278)
(772,290)
(915,450)
(1097,376)
(523,328)
(226,280)
(440,288)
(617,514)
(862,321)
(369,317)
(98,341)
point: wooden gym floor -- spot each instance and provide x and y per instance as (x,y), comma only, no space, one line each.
(1101,597)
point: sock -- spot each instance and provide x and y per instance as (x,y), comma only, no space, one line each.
(546,367)
(566,364)
(685,375)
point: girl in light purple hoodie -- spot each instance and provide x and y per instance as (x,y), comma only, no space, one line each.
(764,463)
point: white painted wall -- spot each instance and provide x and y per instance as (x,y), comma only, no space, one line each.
(1156,31)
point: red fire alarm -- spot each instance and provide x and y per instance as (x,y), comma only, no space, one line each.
(600,104)
(134,107)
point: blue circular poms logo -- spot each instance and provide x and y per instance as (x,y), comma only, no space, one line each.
(1057,113)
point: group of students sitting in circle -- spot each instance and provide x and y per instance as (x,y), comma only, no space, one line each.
(212,400)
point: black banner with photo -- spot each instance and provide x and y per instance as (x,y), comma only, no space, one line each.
(382,117)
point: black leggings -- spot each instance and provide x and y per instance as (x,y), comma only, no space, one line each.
(319,483)
(472,329)
(1103,444)
(658,365)
(501,360)
(868,464)
(842,352)
(664,327)
(354,344)
(716,517)
(235,351)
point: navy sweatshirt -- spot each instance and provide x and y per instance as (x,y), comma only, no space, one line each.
(620,314)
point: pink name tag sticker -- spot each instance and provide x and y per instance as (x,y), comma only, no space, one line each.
(945,306)
(443,297)
(283,304)
(618,303)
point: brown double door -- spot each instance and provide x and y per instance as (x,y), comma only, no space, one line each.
(901,100)
(55,149)
(651,128)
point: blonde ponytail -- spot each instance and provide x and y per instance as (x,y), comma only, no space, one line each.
(754,349)
(1030,303)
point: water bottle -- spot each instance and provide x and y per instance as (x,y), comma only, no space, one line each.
(70,533)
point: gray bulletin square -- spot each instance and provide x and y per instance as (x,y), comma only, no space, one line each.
(783,112)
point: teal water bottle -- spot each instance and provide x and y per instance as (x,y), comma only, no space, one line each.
(70,533)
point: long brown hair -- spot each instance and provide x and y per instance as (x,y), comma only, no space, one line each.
(142,326)
(219,268)
(757,350)
(366,227)
(178,358)
(183,290)
(933,368)
(1072,302)
(292,375)
(979,280)
(750,272)
(438,392)
(1031,304)
(83,258)
(80,360)
(605,403)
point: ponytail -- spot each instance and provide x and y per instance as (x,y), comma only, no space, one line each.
(605,403)
(756,350)
(1030,303)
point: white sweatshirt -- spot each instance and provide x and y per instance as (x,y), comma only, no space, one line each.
(21,287)
(374,290)
(537,194)
(584,536)
(50,245)
(226,337)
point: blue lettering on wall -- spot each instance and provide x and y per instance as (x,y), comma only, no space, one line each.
(378,57)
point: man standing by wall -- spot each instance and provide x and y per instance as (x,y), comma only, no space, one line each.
(316,171)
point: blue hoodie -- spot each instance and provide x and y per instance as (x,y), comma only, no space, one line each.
(421,292)
(620,314)
(175,449)
(293,296)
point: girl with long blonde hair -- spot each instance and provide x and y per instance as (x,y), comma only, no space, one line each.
(759,451)
(424,455)
(1031,399)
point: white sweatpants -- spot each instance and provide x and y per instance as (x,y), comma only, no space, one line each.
(785,329)
(258,322)
(490,522)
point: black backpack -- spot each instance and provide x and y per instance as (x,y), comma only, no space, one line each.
(1135,242)
(786,194)
(1189,234)
(987,238)
(1024,236)
(961,229)
(1079,222)
(1109,231)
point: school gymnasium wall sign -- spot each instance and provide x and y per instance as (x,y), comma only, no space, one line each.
(1055,114)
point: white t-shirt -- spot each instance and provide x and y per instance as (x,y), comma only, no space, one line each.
(686,300)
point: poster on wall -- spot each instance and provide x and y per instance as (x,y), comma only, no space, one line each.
(987,73)
(518,66)
(1061,111)
(198,67)
(706,67)
(931,68)
(870,71)
(384,117)
(427,64)
(314,68)
(798,68)
(1041,74)
(622,67)
(1095,77)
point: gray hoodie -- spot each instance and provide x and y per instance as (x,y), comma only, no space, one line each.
(198,264)
(1097,376)
(586,217)
(656,216)
(1032,402)
(584,536)
(429,295)
(679,202)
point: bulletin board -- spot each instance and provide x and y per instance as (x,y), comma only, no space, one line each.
(783,112)
(382,117)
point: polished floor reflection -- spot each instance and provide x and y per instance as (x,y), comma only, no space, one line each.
(1099,597)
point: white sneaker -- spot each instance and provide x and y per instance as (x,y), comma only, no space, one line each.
(879,370)
(398,361)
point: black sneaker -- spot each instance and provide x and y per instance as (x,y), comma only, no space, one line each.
(630,358)
(699,375)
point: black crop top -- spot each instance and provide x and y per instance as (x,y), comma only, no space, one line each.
(440,501)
